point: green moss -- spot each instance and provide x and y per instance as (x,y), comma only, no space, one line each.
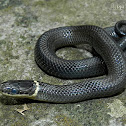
(124,120)
(8,4)
(39,3)
(63,120)
(56,7)
(25,19)
(23,37)
(8,53)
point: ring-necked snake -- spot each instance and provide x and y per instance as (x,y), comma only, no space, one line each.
(110,61)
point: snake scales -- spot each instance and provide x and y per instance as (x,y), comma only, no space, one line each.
(110,61)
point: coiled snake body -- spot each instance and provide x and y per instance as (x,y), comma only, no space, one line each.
(104,42)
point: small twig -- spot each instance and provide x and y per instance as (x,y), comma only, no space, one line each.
(25,108)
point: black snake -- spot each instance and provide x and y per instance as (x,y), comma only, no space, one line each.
(108,44)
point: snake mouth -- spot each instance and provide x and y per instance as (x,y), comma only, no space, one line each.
(120,28)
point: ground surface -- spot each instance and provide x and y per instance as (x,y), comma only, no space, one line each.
(21,23)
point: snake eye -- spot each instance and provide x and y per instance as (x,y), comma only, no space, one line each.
(14,91)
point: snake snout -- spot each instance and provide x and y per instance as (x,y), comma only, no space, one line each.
(120,28)
(4,86)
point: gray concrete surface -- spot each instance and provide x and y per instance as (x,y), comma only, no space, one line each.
(21,23)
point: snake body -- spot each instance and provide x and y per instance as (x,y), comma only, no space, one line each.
(110,61)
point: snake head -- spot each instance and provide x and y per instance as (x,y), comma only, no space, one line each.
(18,88)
